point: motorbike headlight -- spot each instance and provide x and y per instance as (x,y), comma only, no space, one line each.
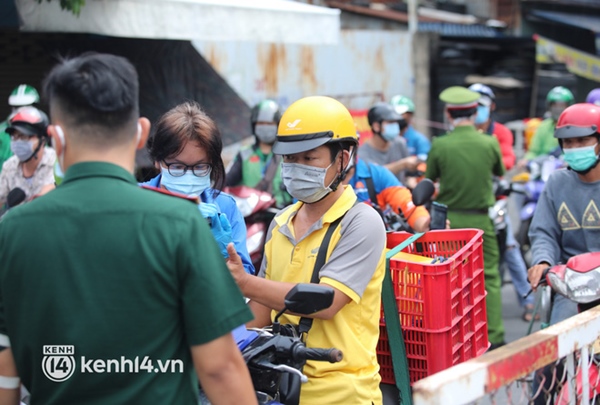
(253,241)
(558,284)
(583,288)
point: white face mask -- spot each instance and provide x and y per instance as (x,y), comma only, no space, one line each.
(60,159)
(22,149)
(266,133)
(188,184)
(305,183)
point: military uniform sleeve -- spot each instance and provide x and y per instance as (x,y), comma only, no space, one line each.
(544,231)
(234,172)
(432,171)
(358,252)
(498,168)
(212,304)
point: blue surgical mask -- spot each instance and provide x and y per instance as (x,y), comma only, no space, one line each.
(581,159)
(390,131)
(188,184)
(483,114)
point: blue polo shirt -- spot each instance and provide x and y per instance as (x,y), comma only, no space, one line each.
(417,143)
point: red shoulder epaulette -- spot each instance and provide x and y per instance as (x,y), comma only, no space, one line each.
(195,200)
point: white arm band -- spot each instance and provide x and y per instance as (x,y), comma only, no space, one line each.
(4,341)
(9,383)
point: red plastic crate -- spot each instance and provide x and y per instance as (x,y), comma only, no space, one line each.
(441,305)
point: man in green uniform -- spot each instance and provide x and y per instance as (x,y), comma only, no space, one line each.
(464,161)
(127,297)
(256,166)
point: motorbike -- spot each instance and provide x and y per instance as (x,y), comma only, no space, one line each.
(578,280)
(539,169)
(276,355)
(258,209)
(421,195)
(499,211)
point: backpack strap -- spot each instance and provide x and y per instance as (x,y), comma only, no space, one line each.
(372,193)
(306,323)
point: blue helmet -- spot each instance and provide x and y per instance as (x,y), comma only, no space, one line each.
(483,90)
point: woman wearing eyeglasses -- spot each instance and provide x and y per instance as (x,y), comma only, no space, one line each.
(186,148)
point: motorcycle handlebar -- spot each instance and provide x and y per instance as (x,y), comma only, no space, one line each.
(330,355)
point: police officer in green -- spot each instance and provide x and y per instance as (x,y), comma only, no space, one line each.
(464,160)
(256,166)
(127,284)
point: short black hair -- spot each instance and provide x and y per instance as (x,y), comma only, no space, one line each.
(462,112)
(96,93)
(337,147)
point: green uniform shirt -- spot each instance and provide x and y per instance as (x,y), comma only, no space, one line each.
(543,141)
(5,151)
(124,276)
(464,161)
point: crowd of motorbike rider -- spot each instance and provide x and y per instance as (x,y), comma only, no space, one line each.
(308,157)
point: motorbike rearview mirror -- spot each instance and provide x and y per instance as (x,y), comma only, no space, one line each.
(423,192)
(306,299)
(15,197)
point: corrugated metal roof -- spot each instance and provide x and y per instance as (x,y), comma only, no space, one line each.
(460,30)
(583,21)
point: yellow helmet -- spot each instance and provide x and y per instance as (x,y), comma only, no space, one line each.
(311,122)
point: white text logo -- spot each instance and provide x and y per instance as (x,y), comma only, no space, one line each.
(58,363)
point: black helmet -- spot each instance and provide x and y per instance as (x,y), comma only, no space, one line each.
(265,111)
(29,121)
(383,112)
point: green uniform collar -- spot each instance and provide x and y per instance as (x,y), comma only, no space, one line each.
(97,169)
(463,129)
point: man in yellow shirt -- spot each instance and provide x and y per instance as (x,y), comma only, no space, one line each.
(317,139)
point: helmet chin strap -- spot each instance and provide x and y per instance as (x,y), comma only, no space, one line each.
(37,149)
(344,171)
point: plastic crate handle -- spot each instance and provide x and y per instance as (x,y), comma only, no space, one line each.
(393,327)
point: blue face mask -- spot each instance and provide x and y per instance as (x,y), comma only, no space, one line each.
(483,114)
(390,131)
(581,159)
(188,184)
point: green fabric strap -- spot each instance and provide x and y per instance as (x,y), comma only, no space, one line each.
(393,327)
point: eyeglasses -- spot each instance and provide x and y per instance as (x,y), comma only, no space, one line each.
(179,169)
